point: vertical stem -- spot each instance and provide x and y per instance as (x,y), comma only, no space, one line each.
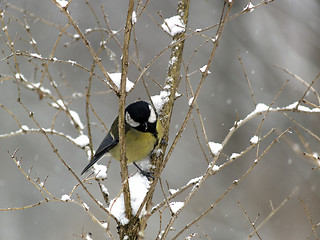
(122,101)
(173,74)
(171,84)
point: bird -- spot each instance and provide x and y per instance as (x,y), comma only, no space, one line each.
(143,133)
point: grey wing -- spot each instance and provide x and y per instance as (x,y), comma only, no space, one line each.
(107,143)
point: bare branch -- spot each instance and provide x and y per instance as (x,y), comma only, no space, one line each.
(274,211)
(122,101)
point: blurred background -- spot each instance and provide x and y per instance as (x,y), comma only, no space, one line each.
(284,32)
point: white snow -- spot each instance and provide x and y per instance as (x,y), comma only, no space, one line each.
(134,17)
(249,7)
(194,180)
(175,25)
(190,237)
(292,106)
(44,90)
(214,39)
(72,62)
(100,171)
(20,76)
(82,140)
(32,85)
(65,197)
(88,237)
(145,164)
(88,152)
(300,108)
(160,100)
(58,105)
(190,101)
(203,69)
(85,206)
(76,118)
(176,206)
(234,155)
(18,163)
(35,55)
(157,152)
(254,140)
(105,225)
(88,30)
(215,147)
(172,60)
(215,168)
(173,191)
(116,78)
(63,3)
(316,158)
(139,186)
(104,189)
(25,127)
(76,36)
(177,95)
(77,94)
(261,107)
(306,109)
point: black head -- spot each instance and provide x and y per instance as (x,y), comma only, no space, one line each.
(141,116)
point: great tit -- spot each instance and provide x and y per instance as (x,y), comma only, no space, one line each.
(143,132)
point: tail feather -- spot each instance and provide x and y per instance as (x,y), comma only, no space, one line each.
(91,163)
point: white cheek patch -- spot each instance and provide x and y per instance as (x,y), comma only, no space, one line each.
(153,117)
(130,121)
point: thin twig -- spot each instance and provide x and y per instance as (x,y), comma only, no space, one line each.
(234,183)
(204,75)
(309,218)
(122,101)
(248,218)
(274,211)
(247,78)
(300,80)
(88,45)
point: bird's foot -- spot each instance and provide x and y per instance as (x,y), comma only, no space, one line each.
(147,174)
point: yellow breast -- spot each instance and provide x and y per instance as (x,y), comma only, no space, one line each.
(138,146)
